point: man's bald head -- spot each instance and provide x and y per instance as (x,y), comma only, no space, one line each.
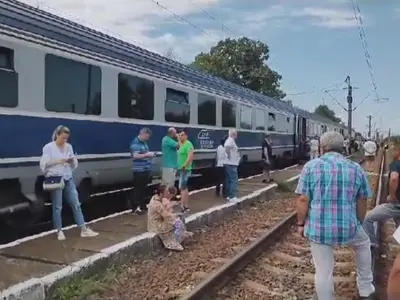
(172,132)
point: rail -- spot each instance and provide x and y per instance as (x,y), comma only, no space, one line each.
(223,275)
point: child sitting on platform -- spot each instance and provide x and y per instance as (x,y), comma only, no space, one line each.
(174,206)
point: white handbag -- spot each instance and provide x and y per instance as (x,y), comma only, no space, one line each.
(53,183)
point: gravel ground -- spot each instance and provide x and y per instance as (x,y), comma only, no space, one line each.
(166,275)
(286,270)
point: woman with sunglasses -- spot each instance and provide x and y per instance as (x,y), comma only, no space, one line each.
(58,161)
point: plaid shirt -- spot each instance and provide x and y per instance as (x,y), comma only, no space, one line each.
(332,184)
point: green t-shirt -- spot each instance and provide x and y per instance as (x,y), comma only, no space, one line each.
(183,154)
(168,148)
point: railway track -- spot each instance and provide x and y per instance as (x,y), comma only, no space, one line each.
(278,265)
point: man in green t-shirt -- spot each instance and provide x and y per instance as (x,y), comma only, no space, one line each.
(169,146)
(185,160)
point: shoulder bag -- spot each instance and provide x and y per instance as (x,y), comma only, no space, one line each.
(52,183)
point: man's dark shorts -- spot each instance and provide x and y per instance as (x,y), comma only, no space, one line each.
(266,165)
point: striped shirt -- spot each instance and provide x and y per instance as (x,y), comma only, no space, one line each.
(140,164)
(332,184)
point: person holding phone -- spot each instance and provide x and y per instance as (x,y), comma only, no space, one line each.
(142,159)
(58,160)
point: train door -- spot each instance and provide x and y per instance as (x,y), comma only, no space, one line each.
(301,136)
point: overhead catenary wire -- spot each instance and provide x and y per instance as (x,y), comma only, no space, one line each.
(179,17)
(365,98)
(41,4)
(223,26)
(364,44)
(336,101)
(332,88)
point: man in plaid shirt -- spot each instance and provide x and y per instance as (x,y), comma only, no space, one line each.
(330,209)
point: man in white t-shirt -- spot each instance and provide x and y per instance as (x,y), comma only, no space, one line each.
(314,147)
(231,165)
(346,146)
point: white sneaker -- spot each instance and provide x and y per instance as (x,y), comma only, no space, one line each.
(234,199)
(87,232)
(60,236)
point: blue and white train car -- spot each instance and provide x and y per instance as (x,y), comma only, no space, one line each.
(54,71)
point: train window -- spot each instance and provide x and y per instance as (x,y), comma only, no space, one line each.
(245,117)
(6,58)
(260,119)
(271,122)
(135,97)
(207,110)
(177,107)
(72,86)
(8,79)
(228,114)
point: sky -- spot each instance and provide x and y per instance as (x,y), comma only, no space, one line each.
(314,45)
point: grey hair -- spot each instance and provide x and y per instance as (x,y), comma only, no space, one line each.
(332,141)
(232,131)
(145,130)
(60,129)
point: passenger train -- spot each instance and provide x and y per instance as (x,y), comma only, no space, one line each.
(54,71)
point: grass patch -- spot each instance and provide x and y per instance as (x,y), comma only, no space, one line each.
(83,288)
(286,187)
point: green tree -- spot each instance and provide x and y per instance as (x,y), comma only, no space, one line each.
(324,111)
(244,62)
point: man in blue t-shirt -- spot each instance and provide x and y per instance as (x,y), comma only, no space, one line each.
(141,169)
(390,209)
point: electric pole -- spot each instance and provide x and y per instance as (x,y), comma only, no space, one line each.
(349,105)
(369,126)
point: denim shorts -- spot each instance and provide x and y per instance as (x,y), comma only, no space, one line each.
(183,179)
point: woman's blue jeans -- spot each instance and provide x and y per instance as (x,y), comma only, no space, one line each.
(71,197)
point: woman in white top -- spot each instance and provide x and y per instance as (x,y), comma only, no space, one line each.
(58,159)
(314,147)
(220,169)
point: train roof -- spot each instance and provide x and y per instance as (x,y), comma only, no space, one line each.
(18,16)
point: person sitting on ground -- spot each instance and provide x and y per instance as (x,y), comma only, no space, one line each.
(175,207)
(390,210)
(161,221)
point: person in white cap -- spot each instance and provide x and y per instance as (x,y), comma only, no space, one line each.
(369,152)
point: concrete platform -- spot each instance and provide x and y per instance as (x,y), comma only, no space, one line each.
(37,264)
